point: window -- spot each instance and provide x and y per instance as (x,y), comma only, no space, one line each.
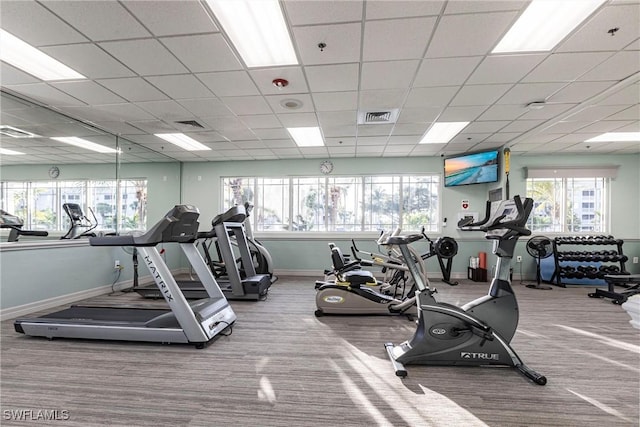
(39,204)
(568,205)
(338,203)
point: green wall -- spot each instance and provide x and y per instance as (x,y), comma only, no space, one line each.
(38,274)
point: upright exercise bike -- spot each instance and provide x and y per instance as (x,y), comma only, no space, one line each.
(479,332)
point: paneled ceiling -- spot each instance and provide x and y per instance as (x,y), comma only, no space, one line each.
(152,64)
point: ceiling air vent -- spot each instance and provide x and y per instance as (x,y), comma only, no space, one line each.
(377,117)
(15,132)
(190,123)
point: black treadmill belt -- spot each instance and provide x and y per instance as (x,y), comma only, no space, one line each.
(106,314)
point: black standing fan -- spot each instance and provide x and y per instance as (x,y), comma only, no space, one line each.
(539,247)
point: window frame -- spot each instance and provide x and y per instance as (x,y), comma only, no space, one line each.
(435,226)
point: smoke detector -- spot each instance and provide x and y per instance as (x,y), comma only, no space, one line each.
(536,105)
(291,104)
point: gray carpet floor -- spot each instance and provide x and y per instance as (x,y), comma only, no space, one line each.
(282,366)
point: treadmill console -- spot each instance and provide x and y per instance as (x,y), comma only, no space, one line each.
(74,211)
(7,220)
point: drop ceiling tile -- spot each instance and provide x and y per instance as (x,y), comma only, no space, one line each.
(119,128)
(279,143)
(468,35)
(279,103)
(166,110)
(261,121)
(339,131)
(402,9)
(405,139)
(298,120)
(238,134)
(229,83)
(381,99)
(335,101)
(337,118)
(125,112)
(323,11)
(88,60)
(577,92)
(314,152)
(202,53)
(134,89)
(264,77)
(88,92)
(618,67)
(502,112)
(525,93)
(340,142)
(396,39)
(597,112)
(630,113)
(342,151)
(146,57)
(445,71)
(272,134)
(286,152)
(90,19)
(430,97)
(548,112)
(387,75)
(342,43)
(180,86)
(479,94)
(603,126)
(505,68)
(332,78)
(521,125)
(593,36)
(45,94)
(627,95)
(486,126)
(374,130)
(404,129)
(36,25)
(565,67)
(165,18)
(455,7)
(418,115)
(379,141)
(247,105)
(10,75)
(207,107)
(369,151)
(398,150)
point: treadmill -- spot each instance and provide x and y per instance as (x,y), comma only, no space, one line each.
(248,286)
(197,322)
(14,224)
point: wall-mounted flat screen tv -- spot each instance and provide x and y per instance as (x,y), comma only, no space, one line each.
(473,168)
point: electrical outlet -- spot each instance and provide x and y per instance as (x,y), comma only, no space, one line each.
(116,264)
(518,258)
(635,259)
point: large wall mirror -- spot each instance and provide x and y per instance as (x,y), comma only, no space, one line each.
(48,159)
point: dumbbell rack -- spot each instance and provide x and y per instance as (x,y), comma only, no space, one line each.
(611,260)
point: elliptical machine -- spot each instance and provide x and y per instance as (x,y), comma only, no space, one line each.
(479,332)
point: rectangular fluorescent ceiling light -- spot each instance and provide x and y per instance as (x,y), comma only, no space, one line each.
(544,24)
(307,136)
(29,59)
(8,152)
(15,132)
(616,137)
(257,29)
(441,133)
(83,143)
(183,141)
